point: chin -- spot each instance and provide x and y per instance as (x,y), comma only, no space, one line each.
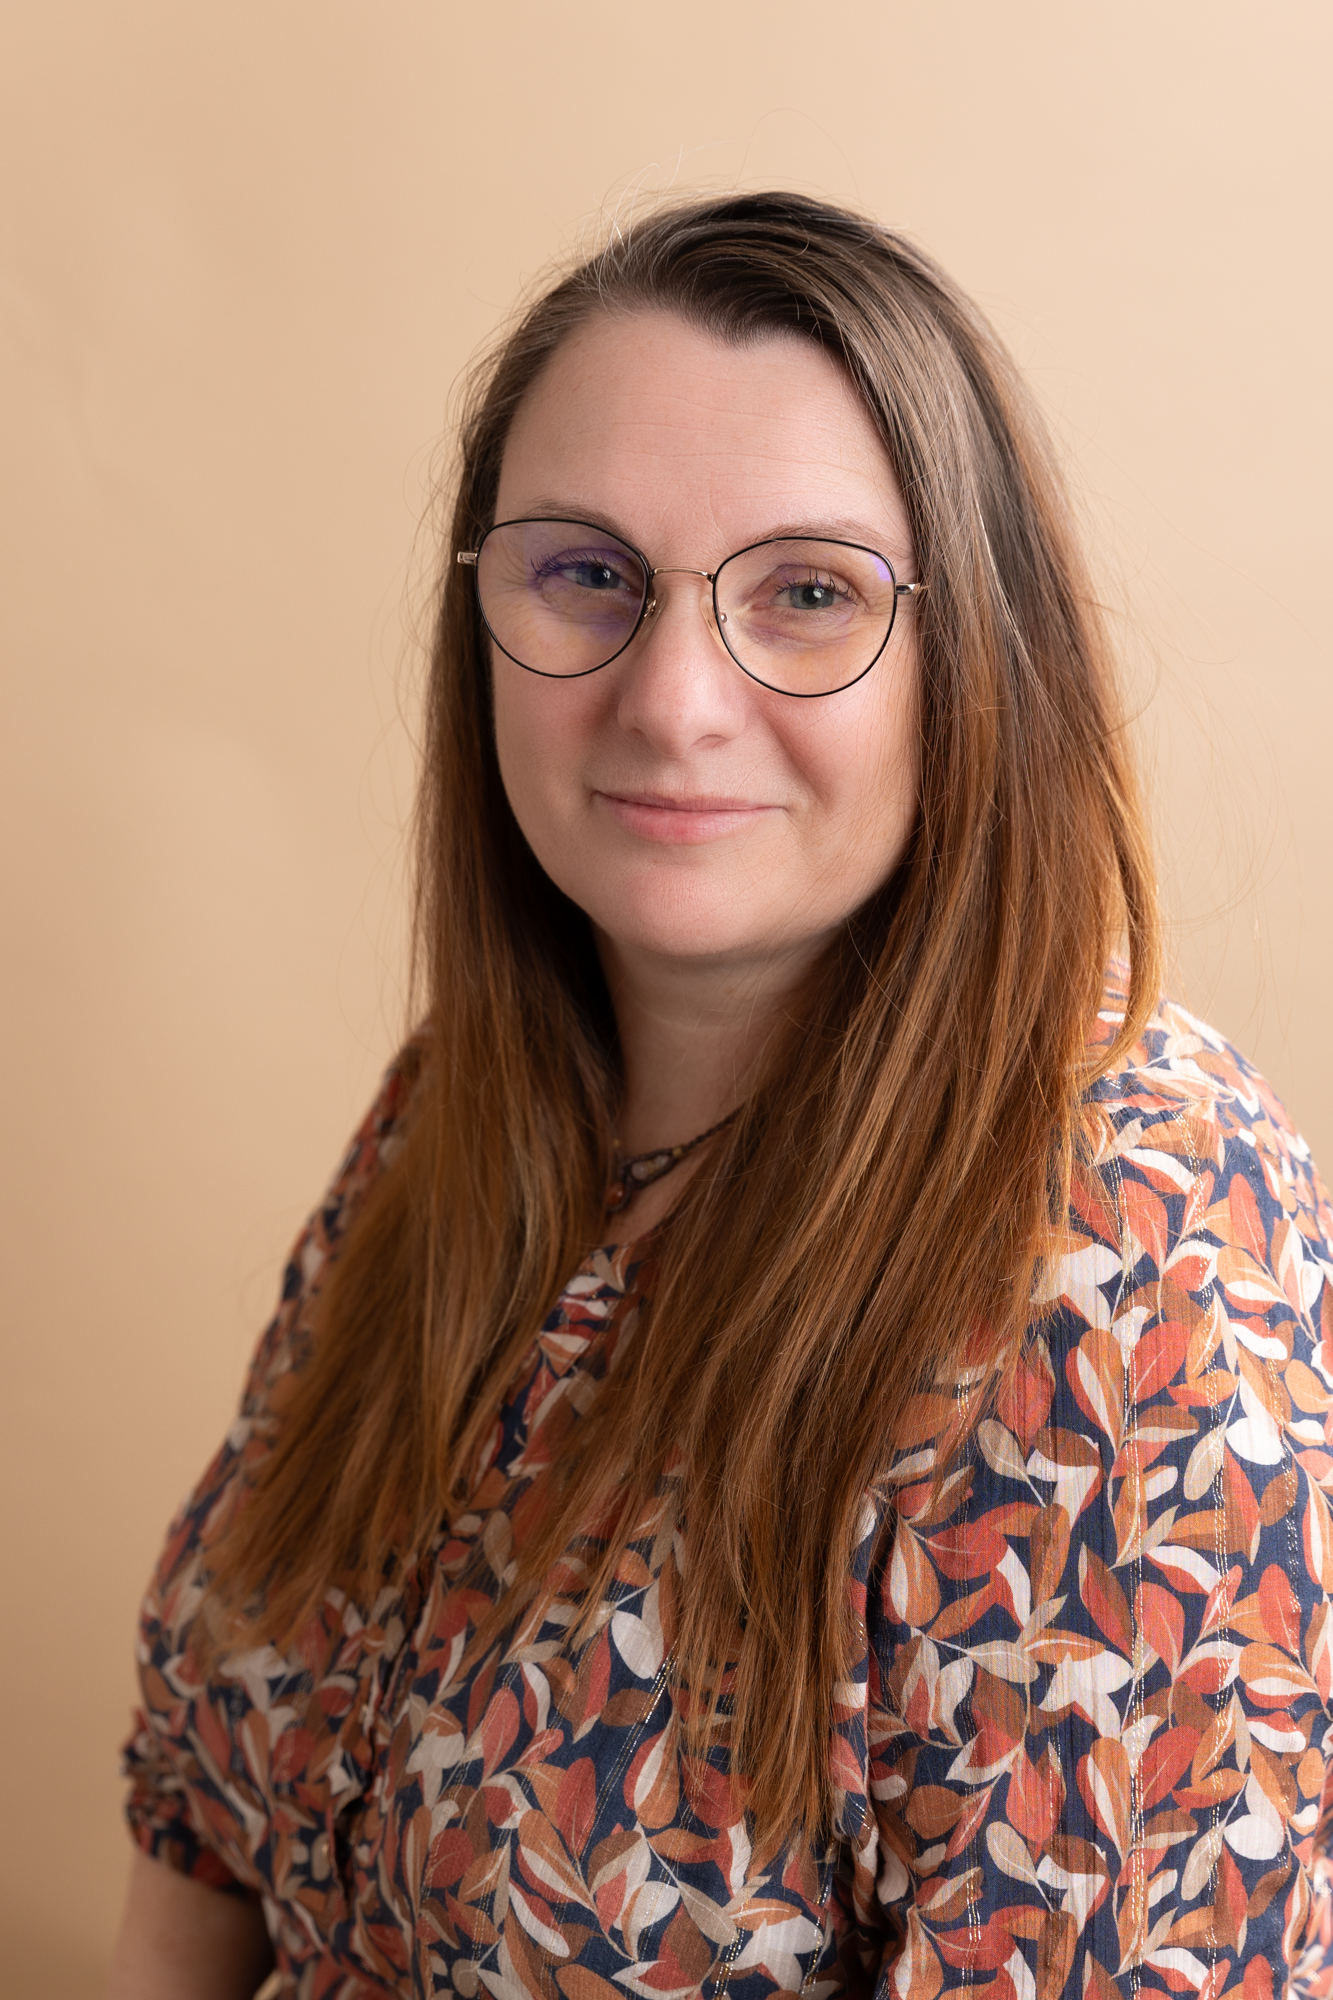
(712,927)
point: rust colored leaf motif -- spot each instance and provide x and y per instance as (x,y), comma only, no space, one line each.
(1079,1751)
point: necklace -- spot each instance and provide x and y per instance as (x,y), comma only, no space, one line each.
(641,1169)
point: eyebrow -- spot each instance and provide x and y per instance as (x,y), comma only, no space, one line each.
(835,528)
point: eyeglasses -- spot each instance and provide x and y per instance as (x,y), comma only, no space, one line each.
(803,616)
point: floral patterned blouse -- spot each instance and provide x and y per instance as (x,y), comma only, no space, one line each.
(1084,1749)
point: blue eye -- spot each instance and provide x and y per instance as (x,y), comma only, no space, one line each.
(572,569)
(810,596)
(594,576)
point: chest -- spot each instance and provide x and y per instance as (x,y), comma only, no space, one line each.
(521,1818)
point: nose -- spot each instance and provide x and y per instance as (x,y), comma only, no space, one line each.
(679,685)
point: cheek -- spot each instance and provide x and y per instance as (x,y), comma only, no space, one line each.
(541,736)
(862,761)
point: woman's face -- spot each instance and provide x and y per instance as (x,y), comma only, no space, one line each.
(694,814)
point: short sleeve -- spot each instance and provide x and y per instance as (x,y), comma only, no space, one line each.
(1100,1654)
(176,1757)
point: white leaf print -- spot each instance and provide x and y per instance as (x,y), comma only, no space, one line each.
(1009,1851)
(1198,1870)
(1020,1587)
(1080,1891)
(1204,1462)
(999,1448)
(1088,1685)
(1256,1439)
(1025,1986)
(1276,1739)
(1192,1970)
(953,1684)
(779,1947)
(1259,1835)
(1005,1660)
(636,1645)
(1079,1278)
(1188,1569)
(437,1750)
(1269,1347)
(715,1924)
(536,1926)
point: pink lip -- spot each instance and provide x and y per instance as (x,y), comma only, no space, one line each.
(680,822)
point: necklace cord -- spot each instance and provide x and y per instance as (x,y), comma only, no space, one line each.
(640,1170)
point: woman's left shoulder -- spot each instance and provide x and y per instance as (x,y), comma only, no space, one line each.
(1187,1137)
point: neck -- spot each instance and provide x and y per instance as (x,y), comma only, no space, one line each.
(692,1035)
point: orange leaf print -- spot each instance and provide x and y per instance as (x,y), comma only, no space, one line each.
(543,1859)
(450,1855)
(1273,1677)
(1097,1983)
(972,1816)
(576,1802)
(1000,1714)
(1317,1537)
(1035,1795)
(1146,1212)
(1096,1372)
(980,1948)
(578,1982)
(1104,1781)
(1101,1592)
(1215,1742)
(1276,1779)
(652,1786)
(1024,1401)
(1130,1515)
(1159,1356)
(1247,1227)
(1048,1551)
(1240,1507)
(1165,1762)
(1056,1946)
(499,1727)
(1258,1981)
(1162,1623)
(918,1974)
(1271,1613)
(945,1897)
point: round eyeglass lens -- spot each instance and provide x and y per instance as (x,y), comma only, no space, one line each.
(806,617)
(559,597)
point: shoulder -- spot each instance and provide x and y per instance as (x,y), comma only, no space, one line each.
(1185,1138)
(373,1146)
(286,1342)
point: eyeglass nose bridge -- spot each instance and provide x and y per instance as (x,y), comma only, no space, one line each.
(650,608)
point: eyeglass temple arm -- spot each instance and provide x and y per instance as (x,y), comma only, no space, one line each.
(467,556)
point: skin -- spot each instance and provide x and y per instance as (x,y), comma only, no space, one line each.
(690,448)
(706,914)
(181,1940)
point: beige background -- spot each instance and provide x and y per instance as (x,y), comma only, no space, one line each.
(244,252)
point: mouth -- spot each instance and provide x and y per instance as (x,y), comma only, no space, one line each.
(681,822)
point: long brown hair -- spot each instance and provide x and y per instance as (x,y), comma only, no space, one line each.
(883,1199)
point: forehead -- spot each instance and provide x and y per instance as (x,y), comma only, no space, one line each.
(668,431)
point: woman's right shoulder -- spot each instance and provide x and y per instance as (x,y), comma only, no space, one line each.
(285,1343)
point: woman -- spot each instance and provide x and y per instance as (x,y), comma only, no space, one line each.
(790,1457)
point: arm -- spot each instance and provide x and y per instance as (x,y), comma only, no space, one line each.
(180,1940)
(1098,1744)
